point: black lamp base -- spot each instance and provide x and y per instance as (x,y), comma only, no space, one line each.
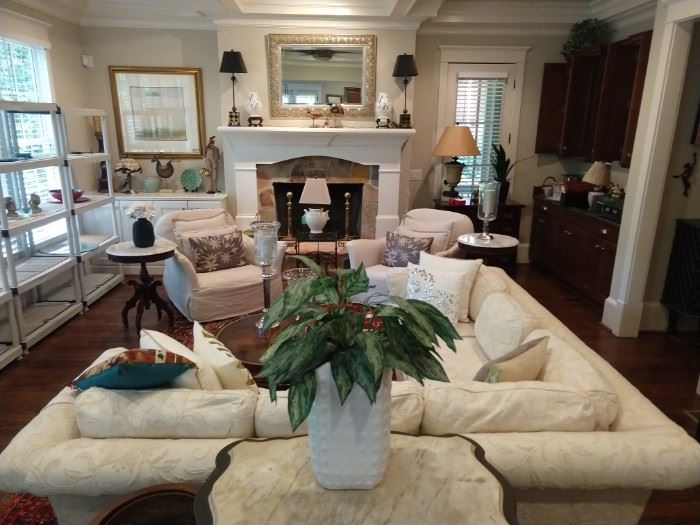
(451,193)
(405,120)
(234,118)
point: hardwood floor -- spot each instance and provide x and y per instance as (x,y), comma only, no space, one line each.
(664,369)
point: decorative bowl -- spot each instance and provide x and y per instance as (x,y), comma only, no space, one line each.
(57,194)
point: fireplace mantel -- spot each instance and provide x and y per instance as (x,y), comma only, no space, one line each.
(246,147)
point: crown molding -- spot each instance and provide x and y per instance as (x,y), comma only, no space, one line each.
(66,10)
(349,23)
(437,29)
(195,24)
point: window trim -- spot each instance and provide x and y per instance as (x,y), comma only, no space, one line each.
(515,55)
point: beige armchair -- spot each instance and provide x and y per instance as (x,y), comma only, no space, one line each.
(370,252)
(220,294)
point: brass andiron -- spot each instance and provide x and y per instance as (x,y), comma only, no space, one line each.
(347,235)
(289,236)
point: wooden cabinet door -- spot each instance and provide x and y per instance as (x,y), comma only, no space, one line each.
(605,263)
(643,43)
(537,237)
(551,115)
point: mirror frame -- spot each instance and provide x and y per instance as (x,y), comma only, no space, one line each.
(274,72)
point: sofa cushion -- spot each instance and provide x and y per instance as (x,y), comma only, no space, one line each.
(165,413)
(402,249)
(441,289)
(522,364)
(502,325)
(230,371)
(526,406)
(272,419)
(202,378)
(439,238)
(241,277)
(487,281)
(135,368)
(182,225)
(218,251)
(567,366)
(470,268)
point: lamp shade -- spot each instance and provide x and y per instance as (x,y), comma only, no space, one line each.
(405,66)
(127,165)
(315,192)
(456,141)
(232,62)
(598,174)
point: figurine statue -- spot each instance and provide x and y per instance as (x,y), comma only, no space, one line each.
(128,167)
(254,108)
(11,207)
(382,110)
(212,155)
(335,110)
(686,173)
(34,201)
(164,171)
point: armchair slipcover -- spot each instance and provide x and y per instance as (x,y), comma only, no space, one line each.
(371,251)
(220,294)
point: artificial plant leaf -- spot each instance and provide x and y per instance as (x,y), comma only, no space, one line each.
(416,332)
(441,324)
(372,344)
(273,391)
(289,301)
(313,349)
(428,366)
(418,316)
(393,360)
(301,398)
(354,282)
(309,263)
(342,374)
(290,332)
(363,373)
(325,290)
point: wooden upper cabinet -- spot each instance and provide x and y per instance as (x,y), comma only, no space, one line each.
(552,99)
(582,96)
(642,42)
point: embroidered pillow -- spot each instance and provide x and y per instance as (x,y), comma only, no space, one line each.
(217,252)
(441,289)
(522,364)
(183,239)
(402,249)
(134,369)
(470,267)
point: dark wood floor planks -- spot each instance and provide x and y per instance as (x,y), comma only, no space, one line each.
(663,368)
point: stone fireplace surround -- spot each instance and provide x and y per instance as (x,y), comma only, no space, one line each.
(245,148)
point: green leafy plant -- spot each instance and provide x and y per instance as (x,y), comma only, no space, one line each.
(585,33)
(501,163)
(359,340)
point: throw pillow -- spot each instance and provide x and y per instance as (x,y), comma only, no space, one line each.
(470,268)
(487,281)
(401,249)
(430,227)
(183,242)
(439,238)
(230,371)
(217,252)
(134,369)
(220,220)
(441,289)
(396,279)
(502,325)
(522,364)
(201,378)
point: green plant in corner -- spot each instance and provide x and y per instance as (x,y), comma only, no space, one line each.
(359,340)
(501,163)
(585,33)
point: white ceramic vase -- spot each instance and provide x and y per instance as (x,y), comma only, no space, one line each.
(316,219)
(349,444)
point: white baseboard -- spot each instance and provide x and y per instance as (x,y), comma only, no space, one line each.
(655,319)
(622,318)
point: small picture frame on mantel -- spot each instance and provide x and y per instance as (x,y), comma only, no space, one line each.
(334,99)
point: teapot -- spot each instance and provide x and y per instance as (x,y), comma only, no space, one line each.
(316,219)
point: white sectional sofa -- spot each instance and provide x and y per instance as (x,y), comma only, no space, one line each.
(581,476)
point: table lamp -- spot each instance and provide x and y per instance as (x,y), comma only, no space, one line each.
(456,141)
(315,192)
(598,175)
(232,62)
(405,67)
(127,166)
(265,241)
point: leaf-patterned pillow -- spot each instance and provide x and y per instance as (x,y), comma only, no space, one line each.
(217,252)
(402,249)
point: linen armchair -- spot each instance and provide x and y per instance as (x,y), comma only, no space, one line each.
(370,252)
(220,294)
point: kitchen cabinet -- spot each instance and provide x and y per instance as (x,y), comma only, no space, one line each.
(552,100)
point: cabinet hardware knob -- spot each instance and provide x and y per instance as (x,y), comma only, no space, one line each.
(544,208)
(599,247)
(567,232)
(603,231)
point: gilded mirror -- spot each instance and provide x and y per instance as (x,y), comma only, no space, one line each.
(307,71)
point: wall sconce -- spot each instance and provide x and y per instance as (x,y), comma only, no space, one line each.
(232,62)
(405,67)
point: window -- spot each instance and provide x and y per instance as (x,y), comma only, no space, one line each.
(24,76)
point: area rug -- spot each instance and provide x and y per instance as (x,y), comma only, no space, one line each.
(25,509)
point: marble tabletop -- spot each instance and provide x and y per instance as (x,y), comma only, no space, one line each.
(127,249)
(440,480)
(499,241)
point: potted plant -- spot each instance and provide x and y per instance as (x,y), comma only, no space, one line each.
(337,357)
(583,34)
(502,167)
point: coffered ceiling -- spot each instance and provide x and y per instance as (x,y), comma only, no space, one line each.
(432,16)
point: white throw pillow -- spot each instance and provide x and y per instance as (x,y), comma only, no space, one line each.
(183,239)
(165,413)
(441,289)
(396,280)
(429,226)
(220,220)
(526,406)
(202,378)
(522,364)
(469,267)
(502,325)
(439,238)
(231,372)
(486,282)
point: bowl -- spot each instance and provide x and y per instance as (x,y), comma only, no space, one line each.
(56,194)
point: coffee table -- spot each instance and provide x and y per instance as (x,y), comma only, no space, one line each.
(430,479)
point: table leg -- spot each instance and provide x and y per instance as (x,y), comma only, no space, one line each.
(131,302)
(145,293)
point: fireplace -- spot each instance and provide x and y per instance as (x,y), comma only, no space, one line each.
(336,223)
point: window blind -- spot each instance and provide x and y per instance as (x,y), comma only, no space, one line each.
(479,105)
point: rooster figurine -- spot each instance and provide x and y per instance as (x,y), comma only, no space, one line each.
(164,171)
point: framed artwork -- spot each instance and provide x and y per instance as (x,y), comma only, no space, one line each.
(158,111)
(695,138)
(353,95)
(334,99)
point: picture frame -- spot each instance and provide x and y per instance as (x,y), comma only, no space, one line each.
(158,111)
(353,95)
(334,99)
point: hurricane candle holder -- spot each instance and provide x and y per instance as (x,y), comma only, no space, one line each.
(488,206)
(265,240)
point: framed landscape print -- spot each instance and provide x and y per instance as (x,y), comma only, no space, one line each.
(158,111)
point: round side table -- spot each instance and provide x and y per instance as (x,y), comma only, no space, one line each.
(501,251)
(145,291)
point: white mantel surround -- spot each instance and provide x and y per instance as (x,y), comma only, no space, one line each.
(244,148)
